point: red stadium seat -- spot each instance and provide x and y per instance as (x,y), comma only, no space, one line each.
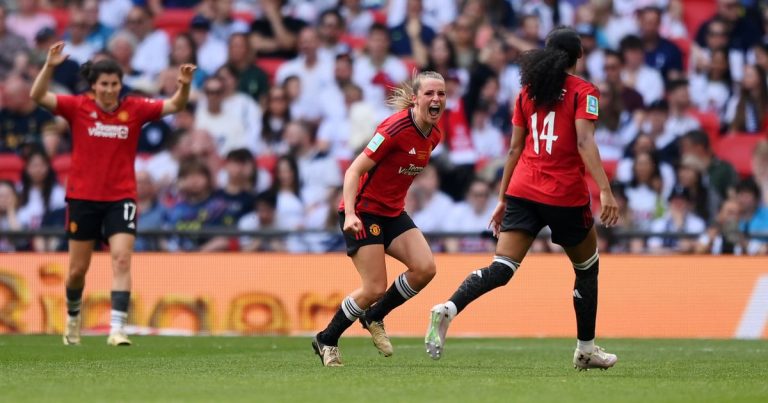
(244,16)
(11,166)
(344,164)
(684,44)
(357,43)
(380,16)
(610,168)
(270,66)
(267,162)
(710,123)
(695,12)
(61,164)
(174,21)
(61,15)
(410,65)
(737,149)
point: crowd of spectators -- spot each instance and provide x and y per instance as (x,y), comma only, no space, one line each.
(289,91)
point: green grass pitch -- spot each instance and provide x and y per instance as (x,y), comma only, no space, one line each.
(275,369)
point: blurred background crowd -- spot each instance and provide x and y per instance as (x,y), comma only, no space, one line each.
(289,91)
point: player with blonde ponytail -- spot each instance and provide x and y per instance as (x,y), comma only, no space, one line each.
(373,218)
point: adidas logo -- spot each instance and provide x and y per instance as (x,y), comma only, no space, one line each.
(576,294)
(131,225)
(412,152)
(94,115)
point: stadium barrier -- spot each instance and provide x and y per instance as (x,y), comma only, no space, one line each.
(640,296)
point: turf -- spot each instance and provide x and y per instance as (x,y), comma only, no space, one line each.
(274,369)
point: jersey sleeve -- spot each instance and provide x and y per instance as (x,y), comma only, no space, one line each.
(518,116)
(379,146)
(66,105)
(588,103)
(149,109)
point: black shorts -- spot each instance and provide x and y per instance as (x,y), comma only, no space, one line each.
(94,220)
(569,225)
(377,229)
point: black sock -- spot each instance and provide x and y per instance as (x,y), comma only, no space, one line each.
(74,301)
(399,292)
(481,281)
(342,320)
(121,300)
(585,297)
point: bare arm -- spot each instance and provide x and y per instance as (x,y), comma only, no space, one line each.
(178,101)
(284,38)
(39,92)
(516,146)
(359,167)
(585,140)
(418,49)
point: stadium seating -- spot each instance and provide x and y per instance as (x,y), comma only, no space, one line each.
(61,164)
(11,166)
(684,44)
(270,66)
(357,43)
(267,162)
(174,21)
(61,15)
(710,123)
(695,12)
(737,149)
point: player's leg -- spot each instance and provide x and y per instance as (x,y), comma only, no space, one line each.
(83,228)
(121,249)
(510,251)
(120,231)
(79,260)
(519,227)
(576,233)
(411,248)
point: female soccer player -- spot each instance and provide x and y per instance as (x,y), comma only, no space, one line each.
(101,188)
(373,220)
(544,184)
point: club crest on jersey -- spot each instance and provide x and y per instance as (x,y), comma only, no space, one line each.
(72,227)
(375,142)
(592,105)
(122,116)
(422,155)
(375,229)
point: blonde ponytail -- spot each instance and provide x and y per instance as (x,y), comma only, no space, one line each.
(402,96)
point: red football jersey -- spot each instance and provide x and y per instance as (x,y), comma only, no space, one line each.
(550,169)
(401,152)
(104,145)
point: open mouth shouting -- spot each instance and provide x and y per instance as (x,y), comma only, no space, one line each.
(434,111)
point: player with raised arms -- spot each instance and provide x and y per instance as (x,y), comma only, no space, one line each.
(373,219)
(101,187)
(544,184)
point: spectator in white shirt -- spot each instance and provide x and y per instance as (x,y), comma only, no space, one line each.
(678,219)
(431,204)
(211,52)
(314,70)
(358,20)
(318,172)
(471,215)
(28,20)
(636,74)
(377,71)
(77,47)
(153,45)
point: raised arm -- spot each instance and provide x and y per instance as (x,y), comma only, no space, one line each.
(39,92)
(585,137)
(178,101)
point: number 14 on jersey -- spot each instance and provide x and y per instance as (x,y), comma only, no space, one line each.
(547,132)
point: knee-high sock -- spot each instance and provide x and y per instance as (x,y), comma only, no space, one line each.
(399,292)
(585,297)
(347,314)
(481,281)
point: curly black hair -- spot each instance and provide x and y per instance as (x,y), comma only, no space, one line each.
(543,71)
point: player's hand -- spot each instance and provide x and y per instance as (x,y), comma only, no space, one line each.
(609,214)
(352,224)
(56,54)
(186,71)
(496,217)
